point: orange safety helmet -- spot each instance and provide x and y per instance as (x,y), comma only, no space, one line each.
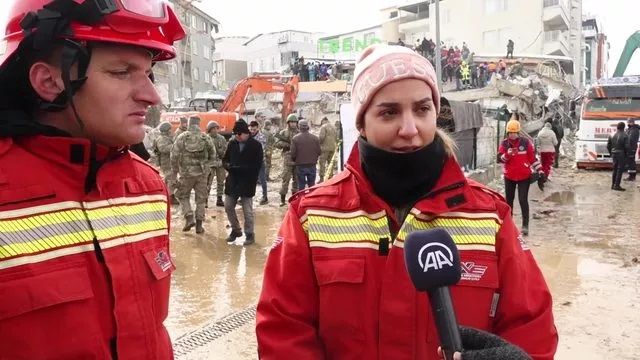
(150,24)
(513,126)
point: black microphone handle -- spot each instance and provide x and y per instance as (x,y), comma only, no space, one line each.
(446,322)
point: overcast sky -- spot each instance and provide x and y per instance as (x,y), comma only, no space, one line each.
(619,18)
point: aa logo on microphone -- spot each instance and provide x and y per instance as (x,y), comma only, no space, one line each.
(435,256)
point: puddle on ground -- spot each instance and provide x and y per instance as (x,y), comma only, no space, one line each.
(212,278)
(562,198)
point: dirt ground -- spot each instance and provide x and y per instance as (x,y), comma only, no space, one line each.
(585,237)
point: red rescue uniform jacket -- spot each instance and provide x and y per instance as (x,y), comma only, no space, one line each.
(519,158)
(82,276)
(336,287)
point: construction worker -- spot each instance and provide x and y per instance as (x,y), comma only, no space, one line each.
(162,145)
(217,170)
(268,148)
(465,74)
(283,141)
(192,157)
(184,122)
(85,266)
(328,141)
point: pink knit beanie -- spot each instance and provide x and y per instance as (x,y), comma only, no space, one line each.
(380,65)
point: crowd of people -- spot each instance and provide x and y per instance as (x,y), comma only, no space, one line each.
(314,70)
(191,160)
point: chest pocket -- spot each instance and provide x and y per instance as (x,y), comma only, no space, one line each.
(479,281)
(194,144)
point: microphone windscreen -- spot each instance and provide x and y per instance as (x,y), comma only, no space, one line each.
(432,259)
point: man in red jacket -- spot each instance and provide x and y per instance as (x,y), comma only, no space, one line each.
(335,282)
(84,249)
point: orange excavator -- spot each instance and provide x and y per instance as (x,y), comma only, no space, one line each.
(234,105)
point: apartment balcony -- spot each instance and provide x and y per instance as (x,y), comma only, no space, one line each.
(414,23)
(556,42)
(555,15)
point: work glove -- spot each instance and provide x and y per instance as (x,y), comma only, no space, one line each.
(542,179)
(481,345)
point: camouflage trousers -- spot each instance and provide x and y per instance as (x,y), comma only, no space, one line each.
(324,161)
(183,193)
(288,176)
(169,180)
(267,164)
(219,173)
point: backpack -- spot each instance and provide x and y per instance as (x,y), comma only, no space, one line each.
(194,143)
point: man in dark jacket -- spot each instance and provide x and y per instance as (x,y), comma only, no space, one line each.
(618,146)
(633,132)
(558,129)
(242,160)
(305,150)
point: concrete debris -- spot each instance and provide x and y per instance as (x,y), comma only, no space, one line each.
(536,94)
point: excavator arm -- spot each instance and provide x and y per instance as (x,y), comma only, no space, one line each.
(235,101)
(633,43)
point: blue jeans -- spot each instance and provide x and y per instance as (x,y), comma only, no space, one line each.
(262,180)
(306,175)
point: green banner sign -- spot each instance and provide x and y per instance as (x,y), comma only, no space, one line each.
(346,44)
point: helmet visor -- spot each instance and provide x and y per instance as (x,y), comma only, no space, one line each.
(146,8)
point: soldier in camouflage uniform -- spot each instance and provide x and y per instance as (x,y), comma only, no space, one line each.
(161,147)
(217,170)
(283,141)
(182,128)
(192,157)
(328,140)
(268,148)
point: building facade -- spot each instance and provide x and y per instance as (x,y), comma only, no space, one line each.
(192,69)
(276,51)
(596,52)
(537,27)
(229,61)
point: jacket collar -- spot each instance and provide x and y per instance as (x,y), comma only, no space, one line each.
(451,191)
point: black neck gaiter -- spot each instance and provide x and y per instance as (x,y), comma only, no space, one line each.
(401,179)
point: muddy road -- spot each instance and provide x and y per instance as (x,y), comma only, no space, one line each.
(585,237)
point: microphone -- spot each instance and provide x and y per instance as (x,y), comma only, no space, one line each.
(433,264)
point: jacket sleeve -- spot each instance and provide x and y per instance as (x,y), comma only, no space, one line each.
(524,314)
(503,157)
(226,158)
(610,145)
(293,151)
(533,159)
(323,133)
(176,155)
(287,313)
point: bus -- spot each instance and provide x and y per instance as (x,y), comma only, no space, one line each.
(606,103)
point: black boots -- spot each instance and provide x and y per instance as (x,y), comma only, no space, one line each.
(199,228)
(219,202)
(188,223)
(264,201)
(249,240)
(283,201)
(233,236)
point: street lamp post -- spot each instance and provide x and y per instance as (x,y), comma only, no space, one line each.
(437,58)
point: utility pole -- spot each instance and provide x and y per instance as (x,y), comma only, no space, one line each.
(437,58)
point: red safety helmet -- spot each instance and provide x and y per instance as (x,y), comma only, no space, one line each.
(150,24)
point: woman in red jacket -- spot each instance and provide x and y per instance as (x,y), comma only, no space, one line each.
(335,283)
(518,155)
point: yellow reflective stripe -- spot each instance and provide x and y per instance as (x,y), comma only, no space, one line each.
(360,228)
(32,246)
(346,237)
(44,232)
(463,230)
